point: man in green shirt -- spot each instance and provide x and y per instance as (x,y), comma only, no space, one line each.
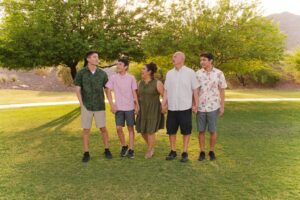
(90,82)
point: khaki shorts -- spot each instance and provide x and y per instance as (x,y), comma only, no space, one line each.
(87,118)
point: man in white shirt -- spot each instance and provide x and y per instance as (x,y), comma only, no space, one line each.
(211,102)
(180,99)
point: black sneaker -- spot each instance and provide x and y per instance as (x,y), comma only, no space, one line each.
(130,153)
(201,156)
(184,157)
(212,155)
(172,155)
(107,154)
(86,157)
(123,152)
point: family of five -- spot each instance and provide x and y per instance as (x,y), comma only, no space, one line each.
(139,105)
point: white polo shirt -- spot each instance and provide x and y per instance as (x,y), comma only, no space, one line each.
(180,85)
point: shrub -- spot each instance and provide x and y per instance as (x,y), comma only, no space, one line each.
(14,78)
(3,79)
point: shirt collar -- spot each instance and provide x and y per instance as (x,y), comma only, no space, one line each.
(212,70)
(87,69)
(182,68)
(122,75)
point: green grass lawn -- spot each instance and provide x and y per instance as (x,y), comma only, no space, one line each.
(257,158)
(27,96)
(262,93)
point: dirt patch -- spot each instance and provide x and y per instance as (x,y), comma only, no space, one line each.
(45,79)
(41,80)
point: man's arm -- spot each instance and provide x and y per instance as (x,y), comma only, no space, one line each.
(78,94)
(136,102)
(108,93)
(195,100)
(222,104)
(222,86)
(160,88)
(164,103)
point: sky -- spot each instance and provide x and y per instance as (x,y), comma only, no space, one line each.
(278,6)
(268,6)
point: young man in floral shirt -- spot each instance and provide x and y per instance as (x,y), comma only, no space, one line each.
(211,102)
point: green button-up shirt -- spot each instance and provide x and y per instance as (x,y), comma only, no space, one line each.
(92,88)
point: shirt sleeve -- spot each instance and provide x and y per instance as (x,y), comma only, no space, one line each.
(198,78)
(166,84)
(195,82)
(110,83)
(78,79)
(133,84)
(105,81)
(222,81)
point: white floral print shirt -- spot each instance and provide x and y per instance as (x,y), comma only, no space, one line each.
(209,92)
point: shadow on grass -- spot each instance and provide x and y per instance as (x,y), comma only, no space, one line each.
(61,121)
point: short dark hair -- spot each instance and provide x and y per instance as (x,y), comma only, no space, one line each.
(151,67)
(88,54)
(209,56)
(124,60)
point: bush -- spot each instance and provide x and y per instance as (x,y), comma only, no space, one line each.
(3,79)
(43,71)
(64,73)
(14,78)
(266,76)
(253,71)
(135,70)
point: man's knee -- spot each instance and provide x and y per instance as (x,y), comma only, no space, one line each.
(119,129)
(103,130)
(86,131)
(130,128)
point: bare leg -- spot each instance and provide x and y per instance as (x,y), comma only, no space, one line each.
(186,140)
(131,137)
(85,139)
(213,139)
(172,139)
(121,135)
(104,134)
(151,144)
(145,136)
(201,138)
(151,141)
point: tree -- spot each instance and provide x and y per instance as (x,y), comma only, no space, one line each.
(37,33)
(295,60)
(236,33)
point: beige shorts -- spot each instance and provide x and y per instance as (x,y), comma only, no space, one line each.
(87,118)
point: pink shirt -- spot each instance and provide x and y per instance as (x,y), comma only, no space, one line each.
(123,86)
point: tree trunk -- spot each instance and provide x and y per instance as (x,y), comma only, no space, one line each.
(241,79)
(73,69)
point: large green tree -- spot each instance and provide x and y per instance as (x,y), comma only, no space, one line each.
(236,33)
(37,33)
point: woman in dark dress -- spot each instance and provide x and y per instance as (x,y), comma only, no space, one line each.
(150,118)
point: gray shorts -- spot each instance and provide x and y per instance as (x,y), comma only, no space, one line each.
(122,116)
(207,119)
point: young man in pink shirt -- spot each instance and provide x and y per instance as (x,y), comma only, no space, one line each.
(126,104)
